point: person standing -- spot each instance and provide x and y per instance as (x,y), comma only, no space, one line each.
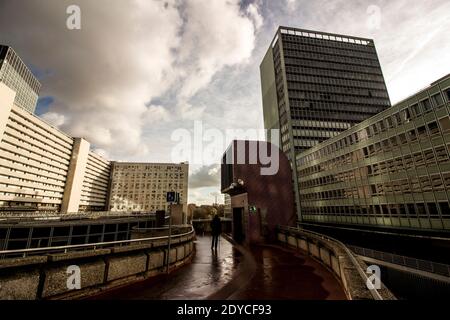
(216,230)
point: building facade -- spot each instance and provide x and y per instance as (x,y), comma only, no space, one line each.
(392,170)
(316,85)
(16,75)
(143,186)
(44,169)
(259,202)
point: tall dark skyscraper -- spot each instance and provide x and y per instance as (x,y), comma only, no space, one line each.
(316,85)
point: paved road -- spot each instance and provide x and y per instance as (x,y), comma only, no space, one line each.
(264,272)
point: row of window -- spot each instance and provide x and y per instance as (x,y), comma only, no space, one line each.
(329,90)
(302,62)
(320,93)
(412,210)
(325,40)
(346,75)
(421,184)
(395,120)
(324,57)
(425,132)
(400,164)
(332,50)
(334,81)
(49,136)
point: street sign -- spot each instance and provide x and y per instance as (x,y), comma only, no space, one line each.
(172,196)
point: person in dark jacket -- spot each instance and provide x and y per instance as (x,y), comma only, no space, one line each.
(216,230)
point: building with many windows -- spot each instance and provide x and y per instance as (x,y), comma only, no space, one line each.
(44,169)
(392,170)
(16,75)
(143,186)
(316,85)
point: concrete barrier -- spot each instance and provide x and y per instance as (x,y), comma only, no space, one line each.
(334,257)
(21,285)
(125,266)
(45,276)
(55,282)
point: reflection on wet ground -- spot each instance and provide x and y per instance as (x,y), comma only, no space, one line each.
(286,275)
(208,272)
(263,272)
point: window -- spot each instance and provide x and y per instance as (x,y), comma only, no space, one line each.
(426,105)
(445,209)
(437,100)
(447,92)
(445,124)
(416,109)
(405,115)
(433,127)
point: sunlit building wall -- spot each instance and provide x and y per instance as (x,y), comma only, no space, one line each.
(143,186)
(392,170)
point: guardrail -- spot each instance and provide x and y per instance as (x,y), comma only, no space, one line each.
(418,264)
(93,246)
(335,260)
(5,216)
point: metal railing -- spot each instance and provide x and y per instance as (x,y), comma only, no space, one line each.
(418,264)
(375,294)
(54,216)
(82,247)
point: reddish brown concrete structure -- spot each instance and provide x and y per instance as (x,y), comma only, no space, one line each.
(258,177)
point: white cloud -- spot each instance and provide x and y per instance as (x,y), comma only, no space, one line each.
(53,118)
(195,60)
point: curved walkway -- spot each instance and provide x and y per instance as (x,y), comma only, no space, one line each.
(264,272)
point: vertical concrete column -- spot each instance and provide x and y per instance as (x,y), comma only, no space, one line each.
(7,97)
(75,176)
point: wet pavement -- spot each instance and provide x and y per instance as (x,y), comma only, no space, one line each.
(263,272)
(208,272)
(283,274)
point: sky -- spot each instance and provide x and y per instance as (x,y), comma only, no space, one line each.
(172,80)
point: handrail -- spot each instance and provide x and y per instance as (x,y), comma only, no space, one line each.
(436,267)
(6,215)
(94,245)
(375,294)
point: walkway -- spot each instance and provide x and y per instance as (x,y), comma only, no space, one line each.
(207,274)
(264,272)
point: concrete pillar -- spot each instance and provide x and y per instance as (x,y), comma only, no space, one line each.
(7,97)
(75,176)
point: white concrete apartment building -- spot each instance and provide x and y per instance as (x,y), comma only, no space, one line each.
(143,186)
(42,168)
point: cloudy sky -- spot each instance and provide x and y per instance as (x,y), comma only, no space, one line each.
(141,74)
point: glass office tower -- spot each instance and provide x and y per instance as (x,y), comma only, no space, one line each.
(316,85)
(392,170)
(16,75)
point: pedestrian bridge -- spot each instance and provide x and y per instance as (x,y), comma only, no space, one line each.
(302,265)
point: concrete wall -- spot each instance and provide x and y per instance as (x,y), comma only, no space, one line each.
(75,176)
(45,277)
